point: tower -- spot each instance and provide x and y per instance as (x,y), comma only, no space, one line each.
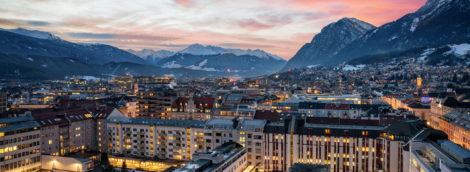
(419,82)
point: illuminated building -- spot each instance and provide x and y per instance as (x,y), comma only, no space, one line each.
(20,143)
(419,82)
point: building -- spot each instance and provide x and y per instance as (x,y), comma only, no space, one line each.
(123,81)
(430,151)
(197,108)
(84,128)
(246,132)
(232,111)
(3,101)
(228,157)
(54,163)
(143,138)
(20,143)
(155,104)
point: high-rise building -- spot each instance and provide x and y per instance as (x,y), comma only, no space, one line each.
(155,104)
(3,102)
(19,143)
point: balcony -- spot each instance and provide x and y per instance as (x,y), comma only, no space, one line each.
(199,137)
(141,139)
(162,146)
(127,132)
(64,139)
(176,141)
(161,140)
(128,149)
(200,144)
(258,151)
(176,148)
(140,150)
(64,132)
(176,153)
(176,135)
(162,153)
(161,134)
(140,133)
(200,149)
(127,137)
(141,144)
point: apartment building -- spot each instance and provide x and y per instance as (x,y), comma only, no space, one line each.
(137,139)
(232,111)
(341,147)
(155,104)
(84,128)
(246,132)
(227,157)
(19,143)
(197,108)
(430,151)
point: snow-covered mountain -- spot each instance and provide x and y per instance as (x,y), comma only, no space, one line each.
(30,42)
(212,58)
(437,23)
(197,49)
(151,55)
(33,33)
(332,39)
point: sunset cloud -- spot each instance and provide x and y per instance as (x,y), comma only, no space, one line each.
(279,27)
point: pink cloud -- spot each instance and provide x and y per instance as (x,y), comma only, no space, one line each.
(252,24)
(185,3)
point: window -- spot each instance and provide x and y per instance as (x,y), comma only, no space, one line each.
(50,141)
(327,131)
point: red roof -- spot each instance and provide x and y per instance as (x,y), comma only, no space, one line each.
(47,118)
(340,107)
(267,115)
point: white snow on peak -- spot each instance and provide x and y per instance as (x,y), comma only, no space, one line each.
(32,33)
(152,53)
(30,59)
(198,49)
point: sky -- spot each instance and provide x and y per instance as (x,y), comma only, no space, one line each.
(278,27)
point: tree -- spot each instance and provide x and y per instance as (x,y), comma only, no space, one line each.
(124,167)
(454,78)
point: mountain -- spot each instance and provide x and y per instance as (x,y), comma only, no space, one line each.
(437,23)
(25,42)
(197,49)
(212,58)
(151,55)
(331,40)
(33,33)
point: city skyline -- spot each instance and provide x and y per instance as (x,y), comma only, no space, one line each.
(280,27)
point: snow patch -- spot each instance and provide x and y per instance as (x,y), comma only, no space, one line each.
(30,59)
(459,50)
(392,38)
(357,67)
(414,24)
(199,66)
(171,65)
(71,60)
(426,53)
(44,65)
(312,66)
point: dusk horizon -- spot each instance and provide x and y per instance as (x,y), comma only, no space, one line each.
(279,27)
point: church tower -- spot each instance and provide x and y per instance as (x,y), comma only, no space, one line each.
(419,82)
